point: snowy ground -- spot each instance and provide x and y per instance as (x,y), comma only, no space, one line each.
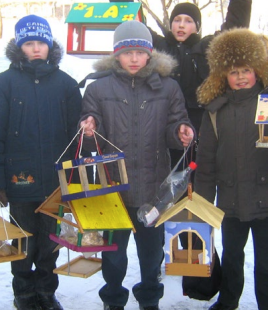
(79,294)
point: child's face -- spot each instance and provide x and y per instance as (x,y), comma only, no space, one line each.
(241,77)
(182,27)
(133,61)
(35,50)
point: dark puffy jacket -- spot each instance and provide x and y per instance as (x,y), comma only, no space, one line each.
(140,115)
(232,164)
(192,68)
(40,107)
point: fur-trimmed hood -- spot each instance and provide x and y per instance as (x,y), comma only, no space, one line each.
(233,48)
(161,63)
(16,56)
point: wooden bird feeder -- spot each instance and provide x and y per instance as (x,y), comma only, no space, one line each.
(95,207)
(261,120)
(10,231)
(91,26)
(193,215)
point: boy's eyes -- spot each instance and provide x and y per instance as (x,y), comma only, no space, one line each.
(131,53)
(243,71)
(188,20)
(31,43)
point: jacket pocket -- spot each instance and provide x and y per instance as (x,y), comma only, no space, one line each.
(262,189)
(225,191)
(225,179)
(16,115)
(21,176)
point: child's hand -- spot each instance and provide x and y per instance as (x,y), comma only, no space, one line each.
(89,124)
(185,134)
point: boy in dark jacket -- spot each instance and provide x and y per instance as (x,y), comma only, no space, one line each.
(185,44)
(229,164)
(139,109)
(40,107)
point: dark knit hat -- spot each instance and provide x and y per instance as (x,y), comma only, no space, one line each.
(33,28)
(233,48)
(187,8)
(132,35)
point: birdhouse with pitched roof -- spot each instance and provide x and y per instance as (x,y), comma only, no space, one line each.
(193,215)
(91,26)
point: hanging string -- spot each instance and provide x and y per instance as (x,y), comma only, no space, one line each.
(4,223)
(182,158)
(69,145)
(81,140)
(100,153)
(107,141)
(78,153)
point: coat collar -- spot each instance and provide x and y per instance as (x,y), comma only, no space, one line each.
(160,64)
(17,57)
(236,96)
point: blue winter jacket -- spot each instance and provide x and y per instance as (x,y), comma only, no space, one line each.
(39,111)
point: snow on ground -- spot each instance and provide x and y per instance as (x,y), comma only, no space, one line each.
(77,293)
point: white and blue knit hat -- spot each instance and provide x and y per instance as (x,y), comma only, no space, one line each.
(132,35)
(33,28)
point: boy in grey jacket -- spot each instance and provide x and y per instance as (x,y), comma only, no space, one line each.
(138,108)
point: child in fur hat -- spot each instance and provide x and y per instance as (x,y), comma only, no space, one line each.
(230,167)
(40,107)
(141,110)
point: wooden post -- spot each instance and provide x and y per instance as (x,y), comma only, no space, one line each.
(190,197)
(190,246)
(110,237)
(102,175)
(58,229)
(122,171)
(83,177)
(261,132)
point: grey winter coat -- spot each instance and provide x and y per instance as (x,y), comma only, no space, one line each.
(140,115)
(40,107)
(232,164)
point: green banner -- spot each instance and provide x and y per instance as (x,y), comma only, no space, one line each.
(116,12)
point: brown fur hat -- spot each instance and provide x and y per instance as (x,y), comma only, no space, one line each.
(233,48)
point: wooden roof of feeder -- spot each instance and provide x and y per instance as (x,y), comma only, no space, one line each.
(198,206)
(103,212)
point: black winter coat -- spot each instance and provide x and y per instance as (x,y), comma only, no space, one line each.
(141,116)
(40,107)
(192,68)
(232,164)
